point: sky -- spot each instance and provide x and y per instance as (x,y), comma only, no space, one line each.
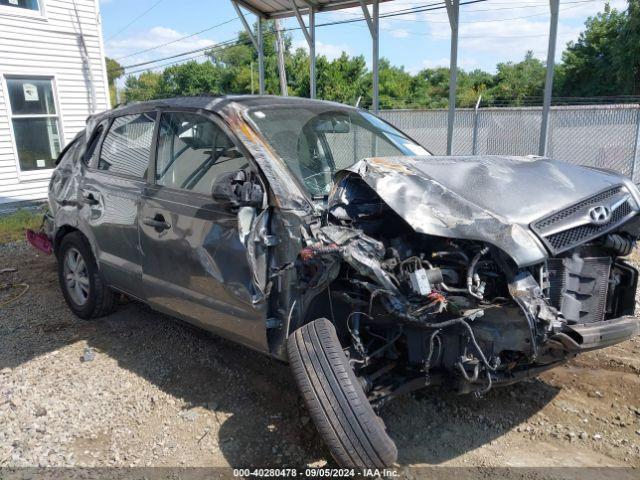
(491,31)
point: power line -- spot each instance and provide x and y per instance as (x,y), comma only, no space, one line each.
(184,60)
(406,11)
(135,19)
(395,13)
(212,49)
(575,3)
(177,55)
(178,39)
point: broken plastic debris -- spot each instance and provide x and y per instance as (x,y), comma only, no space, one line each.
(89,355)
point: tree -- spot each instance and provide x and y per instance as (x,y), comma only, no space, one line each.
(605,60)
(114,72)
(146,86)
(627,59)
(191,78)
(514,82)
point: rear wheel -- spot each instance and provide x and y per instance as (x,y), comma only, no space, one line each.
(80,279)
(339,407)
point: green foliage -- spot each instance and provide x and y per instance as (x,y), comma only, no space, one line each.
(13,225)
(146,86)
(114,72)
(516,81)
(605,60)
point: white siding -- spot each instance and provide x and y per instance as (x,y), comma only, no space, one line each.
(49,46)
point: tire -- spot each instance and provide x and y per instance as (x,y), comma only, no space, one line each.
(354,434)
(99,300)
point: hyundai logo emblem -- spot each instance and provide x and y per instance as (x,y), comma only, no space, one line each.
(600,215)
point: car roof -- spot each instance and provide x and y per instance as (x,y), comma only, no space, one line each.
(215,103)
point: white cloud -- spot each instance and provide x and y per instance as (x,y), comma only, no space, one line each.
(329,50)
(399,33)
(503,32)
(463,62)
(439,62)
(121,47)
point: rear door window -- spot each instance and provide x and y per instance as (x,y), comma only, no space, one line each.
(127,147)
(193,151)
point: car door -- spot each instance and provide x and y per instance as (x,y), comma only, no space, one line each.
(118,158)
(194,262)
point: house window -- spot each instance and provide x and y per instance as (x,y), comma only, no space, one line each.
(21,4)
(35,122)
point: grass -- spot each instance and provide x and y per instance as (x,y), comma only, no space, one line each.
(13,225)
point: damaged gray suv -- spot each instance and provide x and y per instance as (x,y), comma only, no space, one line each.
(321,235)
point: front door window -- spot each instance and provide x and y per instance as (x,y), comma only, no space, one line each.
(192,152)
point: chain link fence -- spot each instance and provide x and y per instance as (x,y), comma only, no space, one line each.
(605,136)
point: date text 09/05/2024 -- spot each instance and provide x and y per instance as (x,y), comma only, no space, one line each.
(316,472)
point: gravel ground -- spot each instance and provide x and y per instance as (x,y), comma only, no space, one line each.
(140,389)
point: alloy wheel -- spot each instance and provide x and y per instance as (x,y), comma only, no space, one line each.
(76,276)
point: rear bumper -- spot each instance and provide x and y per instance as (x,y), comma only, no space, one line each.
(592,336)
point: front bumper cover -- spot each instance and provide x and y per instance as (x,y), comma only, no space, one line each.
(592,336)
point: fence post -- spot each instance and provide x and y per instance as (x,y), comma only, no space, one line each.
(474,141)
(636,150)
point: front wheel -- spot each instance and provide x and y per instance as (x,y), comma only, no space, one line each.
(355,435)
(80,279)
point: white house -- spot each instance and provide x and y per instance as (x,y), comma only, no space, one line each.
(52,76)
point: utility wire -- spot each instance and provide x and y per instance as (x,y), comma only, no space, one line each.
(213,49)
(178,39)
(392,14)
(135,20)
(433,6)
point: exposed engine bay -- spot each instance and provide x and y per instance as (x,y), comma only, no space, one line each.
(418,309)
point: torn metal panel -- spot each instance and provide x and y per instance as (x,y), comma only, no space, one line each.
(486,198)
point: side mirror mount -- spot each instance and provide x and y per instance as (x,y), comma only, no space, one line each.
(238,189)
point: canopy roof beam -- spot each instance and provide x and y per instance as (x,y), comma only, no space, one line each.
(271,9)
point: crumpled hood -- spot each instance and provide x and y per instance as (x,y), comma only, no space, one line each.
(486,198)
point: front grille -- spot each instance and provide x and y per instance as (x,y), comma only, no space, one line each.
(574,236)
(550,229)
(572,210)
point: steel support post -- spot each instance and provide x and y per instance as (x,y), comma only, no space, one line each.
(548,83)
(636,151)
(260,58)
(453,12)
(257,41)
(373,22)
(282,73)
(309,33)
(474,143)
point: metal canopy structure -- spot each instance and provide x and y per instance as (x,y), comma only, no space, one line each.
(276,9)
(269,9)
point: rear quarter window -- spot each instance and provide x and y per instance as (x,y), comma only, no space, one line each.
(71,151)
(127,147)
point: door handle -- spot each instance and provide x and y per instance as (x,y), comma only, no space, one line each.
(88,197)
(158,223)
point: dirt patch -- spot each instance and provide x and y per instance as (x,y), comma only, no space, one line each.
(161,393)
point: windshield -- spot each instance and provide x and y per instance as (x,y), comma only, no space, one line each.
(315,141)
